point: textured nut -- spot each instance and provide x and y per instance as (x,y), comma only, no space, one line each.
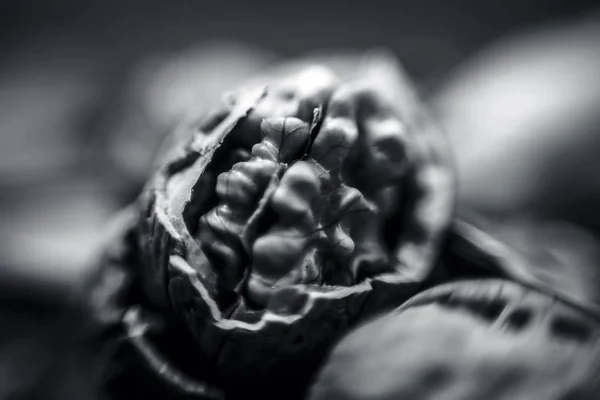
(470,340)
(293,211)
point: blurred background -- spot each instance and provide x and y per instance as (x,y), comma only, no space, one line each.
(89,88)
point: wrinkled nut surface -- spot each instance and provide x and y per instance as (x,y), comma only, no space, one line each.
(293,210)
(487,339)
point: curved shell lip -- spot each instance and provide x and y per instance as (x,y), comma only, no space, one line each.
(492,254)
(194,149)
(137,335)
(269,317)
(201,146)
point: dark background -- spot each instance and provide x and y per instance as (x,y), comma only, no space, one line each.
(430,36)
(66,68)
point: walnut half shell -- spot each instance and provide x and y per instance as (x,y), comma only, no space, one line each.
(291,212)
